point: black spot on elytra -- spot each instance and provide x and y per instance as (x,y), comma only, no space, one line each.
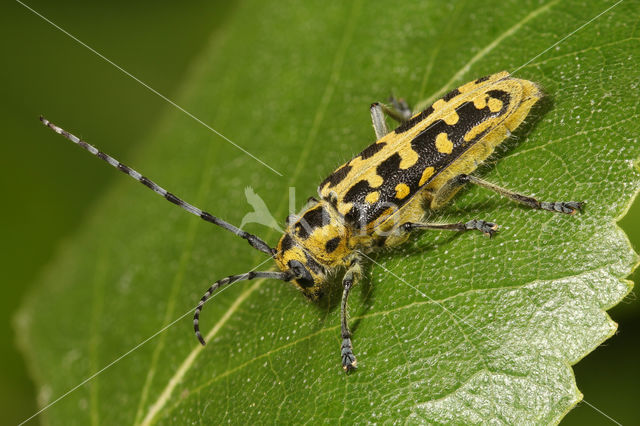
(424,145)
(336,177)
(504,97)
(389,167)
(482,79)
(413,121)
(331,245)
(469,117)
(371,150)
(452,94)
(362,213)
(356,195)
(357,192)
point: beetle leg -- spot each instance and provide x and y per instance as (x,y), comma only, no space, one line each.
(346,349)
(447,191)
(567,207)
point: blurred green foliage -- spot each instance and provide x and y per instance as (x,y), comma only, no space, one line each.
(156,42)
(46,72)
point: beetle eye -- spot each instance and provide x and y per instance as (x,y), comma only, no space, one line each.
(302,274)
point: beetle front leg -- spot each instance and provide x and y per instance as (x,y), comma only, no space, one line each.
(352,275)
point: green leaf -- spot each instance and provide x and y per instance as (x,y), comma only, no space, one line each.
(450,328)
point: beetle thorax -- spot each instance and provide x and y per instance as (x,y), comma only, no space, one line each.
(317,239)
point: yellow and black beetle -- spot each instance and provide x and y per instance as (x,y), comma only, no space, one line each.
(380,196)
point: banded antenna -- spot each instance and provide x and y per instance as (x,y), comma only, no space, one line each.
(253,240)
(283,276)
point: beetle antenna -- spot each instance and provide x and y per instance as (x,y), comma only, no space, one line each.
(283,276)
(253,240)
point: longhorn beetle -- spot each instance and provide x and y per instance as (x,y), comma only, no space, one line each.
(380,196)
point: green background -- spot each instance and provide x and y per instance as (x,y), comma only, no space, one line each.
(44,71)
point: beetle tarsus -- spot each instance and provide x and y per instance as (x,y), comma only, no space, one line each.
(349,361)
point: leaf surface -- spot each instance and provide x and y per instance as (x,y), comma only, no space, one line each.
(449,328)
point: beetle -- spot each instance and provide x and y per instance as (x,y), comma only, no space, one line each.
(381,195)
